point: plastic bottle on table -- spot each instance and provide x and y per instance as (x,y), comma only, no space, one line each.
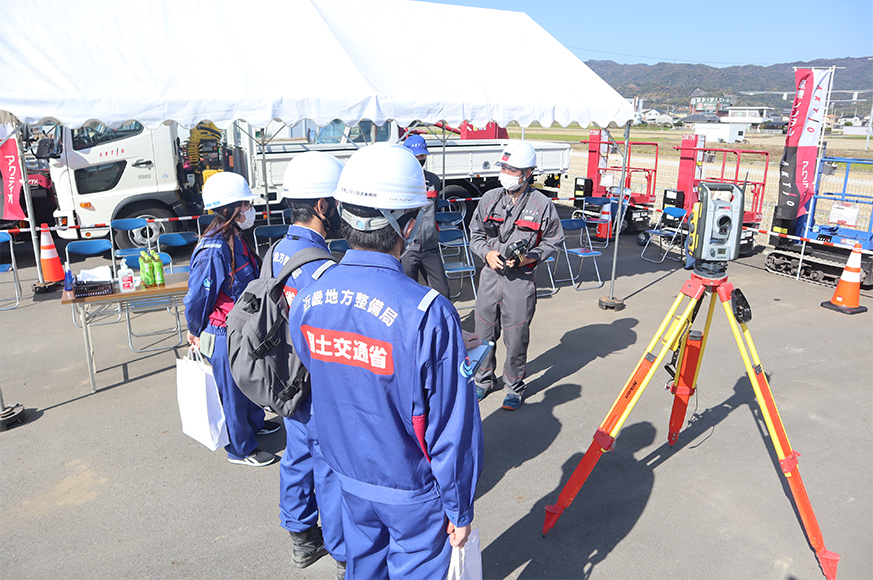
(145,270)
(125,278)
(68,277)
(157,268)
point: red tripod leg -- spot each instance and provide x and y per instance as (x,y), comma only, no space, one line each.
(603,441)
(604,438)
(787,456)
(684,385)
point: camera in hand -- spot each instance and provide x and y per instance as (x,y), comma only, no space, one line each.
(516,251)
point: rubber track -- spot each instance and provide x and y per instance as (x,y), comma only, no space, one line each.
(832,283)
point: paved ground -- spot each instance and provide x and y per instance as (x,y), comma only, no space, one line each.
(107,486)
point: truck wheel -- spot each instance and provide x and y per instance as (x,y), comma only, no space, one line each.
(145,236)
(466,208)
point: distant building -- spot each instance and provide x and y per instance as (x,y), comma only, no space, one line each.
(754,116)
(709,104)
(714,130)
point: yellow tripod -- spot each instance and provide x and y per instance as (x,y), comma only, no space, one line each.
(675,335)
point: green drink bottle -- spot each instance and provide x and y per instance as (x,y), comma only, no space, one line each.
(145,270)
(157,268)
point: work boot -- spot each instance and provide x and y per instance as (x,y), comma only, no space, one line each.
(340,570)
(308,547)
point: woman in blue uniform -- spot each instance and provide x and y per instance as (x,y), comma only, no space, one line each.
(221,266)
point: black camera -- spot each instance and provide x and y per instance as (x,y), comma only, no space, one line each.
(516,251)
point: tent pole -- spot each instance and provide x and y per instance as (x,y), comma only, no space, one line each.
(612,302)
(264,170)
(444,156)
(28,200)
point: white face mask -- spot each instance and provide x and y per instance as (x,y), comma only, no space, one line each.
(248,218)
(509,182)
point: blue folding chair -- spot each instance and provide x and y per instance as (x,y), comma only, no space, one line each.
(177,240)
(598,206)
(582,251)
(339,246)
(10,267)
(449,219)
(461,268)
(203,222)
(668,231)
(132,262)
(269,233)
(170,304)
(138,232)
(94,248)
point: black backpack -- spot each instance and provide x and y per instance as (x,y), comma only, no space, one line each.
(262,361)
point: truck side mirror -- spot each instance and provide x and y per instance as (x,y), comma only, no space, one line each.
(48,148)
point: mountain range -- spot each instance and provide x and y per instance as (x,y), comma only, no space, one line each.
(670,86)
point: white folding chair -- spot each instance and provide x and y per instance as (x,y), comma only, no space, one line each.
(668,232)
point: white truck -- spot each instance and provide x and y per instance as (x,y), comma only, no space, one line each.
(100,174)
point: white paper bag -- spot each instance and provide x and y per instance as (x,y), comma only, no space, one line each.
(199,404)
(466,562)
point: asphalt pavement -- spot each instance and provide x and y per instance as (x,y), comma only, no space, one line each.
(106,485)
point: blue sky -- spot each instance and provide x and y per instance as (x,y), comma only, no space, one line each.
(717,33)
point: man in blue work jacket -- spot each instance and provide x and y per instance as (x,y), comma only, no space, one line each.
(308,185)
(397,421)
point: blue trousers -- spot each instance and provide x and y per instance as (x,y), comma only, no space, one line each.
(395,541)
(243,417)
(304,476)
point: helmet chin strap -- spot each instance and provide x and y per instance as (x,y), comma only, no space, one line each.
(371,224)
(389,215)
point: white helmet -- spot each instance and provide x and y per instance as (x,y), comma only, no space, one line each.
(225,188)
(383,176)
(518,155)
(311,175)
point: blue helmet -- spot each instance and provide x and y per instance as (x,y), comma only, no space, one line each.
(416,144)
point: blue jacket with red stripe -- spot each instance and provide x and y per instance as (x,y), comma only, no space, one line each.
(397,420)
(210,284)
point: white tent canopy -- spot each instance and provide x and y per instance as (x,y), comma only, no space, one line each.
(260,60)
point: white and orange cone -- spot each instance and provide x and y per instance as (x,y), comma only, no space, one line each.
(847,296)
(604,230)
(52,270)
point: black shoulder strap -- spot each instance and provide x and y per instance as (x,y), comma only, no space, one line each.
(298,259)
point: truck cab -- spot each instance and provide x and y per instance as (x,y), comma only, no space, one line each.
(101,174)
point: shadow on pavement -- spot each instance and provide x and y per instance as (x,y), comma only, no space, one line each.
(608,505)
(577,348)
(502,426)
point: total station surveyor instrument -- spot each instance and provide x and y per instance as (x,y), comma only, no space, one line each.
(715,231)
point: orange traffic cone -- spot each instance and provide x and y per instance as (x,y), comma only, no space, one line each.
(848,293)
(604,230)
(52,271)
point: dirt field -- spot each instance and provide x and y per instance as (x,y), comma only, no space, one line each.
(837,145)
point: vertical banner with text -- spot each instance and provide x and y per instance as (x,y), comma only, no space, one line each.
(10,171)
(798,167)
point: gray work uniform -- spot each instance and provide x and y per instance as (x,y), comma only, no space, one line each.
(423,255)
(507,298)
